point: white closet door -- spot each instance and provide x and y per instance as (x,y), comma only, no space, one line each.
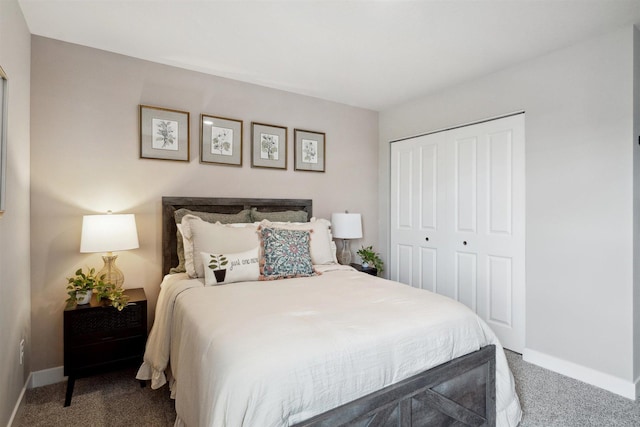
(463,190)
(418,215)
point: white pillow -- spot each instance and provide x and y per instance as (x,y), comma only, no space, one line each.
(321,238)
(239,267)
(214,238)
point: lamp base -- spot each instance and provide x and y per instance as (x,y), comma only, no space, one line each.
(112,274)
(345,253)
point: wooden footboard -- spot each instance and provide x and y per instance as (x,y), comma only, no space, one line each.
(461,392)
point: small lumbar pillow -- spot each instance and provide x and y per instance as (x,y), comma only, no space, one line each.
(230,268)
(285,254)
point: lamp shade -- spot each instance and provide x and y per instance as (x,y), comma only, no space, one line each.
(346,225)
(108,233)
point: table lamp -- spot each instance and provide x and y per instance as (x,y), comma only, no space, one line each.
(109,233)
(346,226)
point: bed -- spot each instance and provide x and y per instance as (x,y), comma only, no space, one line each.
(337,348)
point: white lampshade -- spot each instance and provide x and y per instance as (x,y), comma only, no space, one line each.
(108,233)
(346,225)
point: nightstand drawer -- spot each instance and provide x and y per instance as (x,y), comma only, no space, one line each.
(95,325)
(104,353)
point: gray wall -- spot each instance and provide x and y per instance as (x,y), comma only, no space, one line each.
(85,160)
(580,143)
(15,311)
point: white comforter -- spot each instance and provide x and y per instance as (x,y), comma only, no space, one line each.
(276,353)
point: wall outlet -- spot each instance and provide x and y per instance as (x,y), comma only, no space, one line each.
(22,351)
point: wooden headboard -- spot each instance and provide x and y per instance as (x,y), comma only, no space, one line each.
(227,205)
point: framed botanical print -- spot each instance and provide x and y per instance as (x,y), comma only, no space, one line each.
(164,134)
(3,138)
(309,150)
(220,140)
(268,146)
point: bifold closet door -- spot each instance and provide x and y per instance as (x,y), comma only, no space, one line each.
(457,219)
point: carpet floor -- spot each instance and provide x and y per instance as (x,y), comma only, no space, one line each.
(116,399)
(113,399)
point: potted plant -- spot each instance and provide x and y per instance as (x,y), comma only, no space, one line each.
(370,258)
(216,263)
(115,295)
(80,286)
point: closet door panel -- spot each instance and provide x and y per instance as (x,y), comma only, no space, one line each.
(500,165)
(428,269)
(500,281)
(404,272)
(404,189)
(466,278)
(466,184)
(428,170)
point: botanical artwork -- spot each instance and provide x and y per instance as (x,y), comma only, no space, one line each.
(309,151)
(221,141)
(165,134)
(269,146)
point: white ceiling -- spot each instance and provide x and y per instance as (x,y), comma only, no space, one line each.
(371,54)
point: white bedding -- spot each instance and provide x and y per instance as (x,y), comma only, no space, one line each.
(279,352)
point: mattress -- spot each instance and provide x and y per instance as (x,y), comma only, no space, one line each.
(278,352)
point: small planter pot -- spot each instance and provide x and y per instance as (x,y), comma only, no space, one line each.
(365,264)
(83,297)
(220,275)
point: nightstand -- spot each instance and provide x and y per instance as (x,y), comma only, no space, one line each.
(97,337)
(369,270)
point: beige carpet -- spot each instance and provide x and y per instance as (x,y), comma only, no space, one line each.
(108,400)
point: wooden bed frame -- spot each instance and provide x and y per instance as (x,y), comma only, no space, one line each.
(461,392)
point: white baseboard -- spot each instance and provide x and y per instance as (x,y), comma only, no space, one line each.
(47,376)
(599,379)
(36,379)
(17,410)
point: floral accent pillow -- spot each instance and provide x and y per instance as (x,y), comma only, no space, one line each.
(286,254)
(321,238)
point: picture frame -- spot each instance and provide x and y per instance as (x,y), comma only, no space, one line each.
(220,140)
(4,107)
(268,146)
(164,134)
(309,150)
